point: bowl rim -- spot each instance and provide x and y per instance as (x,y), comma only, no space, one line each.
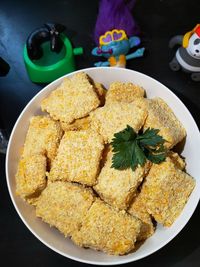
(92,262)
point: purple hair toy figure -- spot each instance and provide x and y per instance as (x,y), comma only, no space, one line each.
(115,32)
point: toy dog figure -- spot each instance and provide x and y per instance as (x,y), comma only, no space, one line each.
(50,32)
(188,55)
(115,33)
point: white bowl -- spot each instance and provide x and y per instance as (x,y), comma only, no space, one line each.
(50,236)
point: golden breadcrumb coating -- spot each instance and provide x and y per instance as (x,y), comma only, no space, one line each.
(176,160)
(73,99)
(138,209)
(114,117)
(160,116)
(123,92)
(43,137)
(166,191)
(31,175)
(103,228)
(77,125)
(142,103)
(64,206)
(78,157)
(118,187)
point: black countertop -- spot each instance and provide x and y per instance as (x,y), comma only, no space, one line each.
(159,20)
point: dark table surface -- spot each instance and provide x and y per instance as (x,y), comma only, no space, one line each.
(159,20)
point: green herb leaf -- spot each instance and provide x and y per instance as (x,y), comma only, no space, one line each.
(156,158)
(122,158)
(151,138)
(131,149)
(126,135)
(141,159)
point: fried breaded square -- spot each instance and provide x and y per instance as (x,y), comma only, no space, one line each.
(64,206)
(114,117)
(103,228)
(78,157)
(160,116)
(77,125)
(31,176)
(118,187)
(138,209)
(123,92)
(166,191)
(43,137)
(73,99)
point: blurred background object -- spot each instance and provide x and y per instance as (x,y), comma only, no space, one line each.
(4,69)
(3,141)
(187,56)
(48,53)
(115,33)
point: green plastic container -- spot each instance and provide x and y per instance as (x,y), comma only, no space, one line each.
(52,65)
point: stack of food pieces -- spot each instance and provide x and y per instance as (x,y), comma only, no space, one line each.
(65,167)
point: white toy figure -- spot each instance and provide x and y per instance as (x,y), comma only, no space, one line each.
(187,56)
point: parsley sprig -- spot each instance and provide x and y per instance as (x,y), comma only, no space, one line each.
(131,149)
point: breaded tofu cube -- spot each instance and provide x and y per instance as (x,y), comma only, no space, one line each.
(31,176)
(160,116)
(138,210)
(77,125)
(73,99)
(114,117)
(176,160)
(104,228)
(118,187)
(64,206)
(78,157)
(43,137)
(166,191)
(123,92)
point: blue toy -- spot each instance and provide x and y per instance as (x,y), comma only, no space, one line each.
(115,33)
